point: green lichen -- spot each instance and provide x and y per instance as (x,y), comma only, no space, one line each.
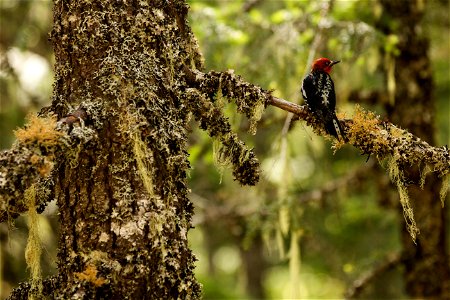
(444,188)
(33,249)
(229,150)
(143,156)
(397,177)
(255,115)
(423,174)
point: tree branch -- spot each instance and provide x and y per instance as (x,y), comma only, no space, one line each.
(32,159)
(384,139)
(361,283)
(40,147)
(365,131)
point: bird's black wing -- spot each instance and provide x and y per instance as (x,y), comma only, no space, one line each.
(311,92)
(318,92)
(308,88)
(326,85)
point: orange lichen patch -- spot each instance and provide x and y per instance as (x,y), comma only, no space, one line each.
(366,124)
(90,274)
(39,130)
(43,164)
(363,121)
(35,159)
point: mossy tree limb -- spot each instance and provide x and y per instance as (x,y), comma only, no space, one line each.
(231,149)
(41,146)
(366,131)
(30,161)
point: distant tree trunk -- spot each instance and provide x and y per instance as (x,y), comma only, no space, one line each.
(122,192)
(426,264)
(255,267)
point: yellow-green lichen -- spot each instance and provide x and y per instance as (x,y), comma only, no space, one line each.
(444,188)
(220,161)
(397,177)
(423,174)
(255,115)
(41,131)
(33,249)
(366,123)
(143,156)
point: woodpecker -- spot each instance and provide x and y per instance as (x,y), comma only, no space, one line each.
(318,92)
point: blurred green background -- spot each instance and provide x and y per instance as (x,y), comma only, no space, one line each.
(317,221)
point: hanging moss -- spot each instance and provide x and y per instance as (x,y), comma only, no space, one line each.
(397,177)
(444,188)
(229,149)
(33,249)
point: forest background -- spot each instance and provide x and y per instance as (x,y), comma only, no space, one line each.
(318,221)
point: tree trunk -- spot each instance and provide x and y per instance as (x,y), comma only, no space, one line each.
(121,191)
(427,272)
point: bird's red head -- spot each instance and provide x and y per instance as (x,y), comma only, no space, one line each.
(323,64)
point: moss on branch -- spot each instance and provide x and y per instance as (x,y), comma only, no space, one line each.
(365,131)
(40,146)
(232,151)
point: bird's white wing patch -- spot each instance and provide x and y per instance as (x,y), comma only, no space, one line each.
(336,126)
(303,92)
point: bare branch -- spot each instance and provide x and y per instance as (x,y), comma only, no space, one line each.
(300,110)
(358,286)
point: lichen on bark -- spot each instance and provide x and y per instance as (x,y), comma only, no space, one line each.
(124,100)
(112,59)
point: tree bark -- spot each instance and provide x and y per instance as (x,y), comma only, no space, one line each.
(427,271)
(122,194)
(117,160)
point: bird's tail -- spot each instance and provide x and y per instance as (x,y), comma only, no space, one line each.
(333,127)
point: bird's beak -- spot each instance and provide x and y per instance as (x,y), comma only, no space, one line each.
(333,62)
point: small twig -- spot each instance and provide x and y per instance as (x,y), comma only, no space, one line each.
(299,110)
(361,283)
